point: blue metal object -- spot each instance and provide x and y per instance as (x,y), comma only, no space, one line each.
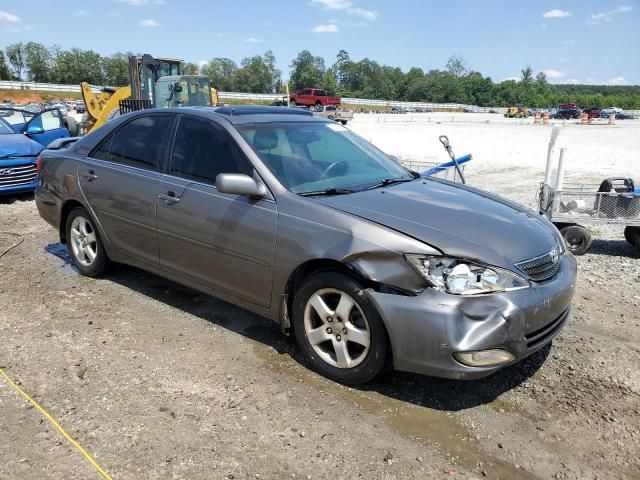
(443,166)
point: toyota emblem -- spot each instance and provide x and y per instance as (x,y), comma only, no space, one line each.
(554,256)
(6,171)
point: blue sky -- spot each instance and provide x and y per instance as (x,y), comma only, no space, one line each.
(573,41)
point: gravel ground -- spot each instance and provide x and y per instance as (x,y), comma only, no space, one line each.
(158,381)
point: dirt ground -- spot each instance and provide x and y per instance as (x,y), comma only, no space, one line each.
(158,381)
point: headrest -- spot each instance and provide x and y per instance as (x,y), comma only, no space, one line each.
(265,139)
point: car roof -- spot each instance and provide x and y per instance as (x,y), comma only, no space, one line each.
(247,114)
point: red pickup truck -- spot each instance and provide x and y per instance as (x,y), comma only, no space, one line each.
(313,97)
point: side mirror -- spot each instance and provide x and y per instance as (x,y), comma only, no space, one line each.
(239,184)
(34,130)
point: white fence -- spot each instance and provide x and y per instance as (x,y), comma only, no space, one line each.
(52,87)
(42,87)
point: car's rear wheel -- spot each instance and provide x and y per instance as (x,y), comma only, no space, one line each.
(292,103)
(338,329)
(84,244)
(577,238)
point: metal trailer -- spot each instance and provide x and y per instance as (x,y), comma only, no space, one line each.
(441,170)
(574,207)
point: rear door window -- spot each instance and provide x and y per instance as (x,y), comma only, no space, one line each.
(140,142)
(202,150)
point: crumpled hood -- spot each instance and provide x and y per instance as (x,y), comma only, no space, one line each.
(458,220)
(18,145)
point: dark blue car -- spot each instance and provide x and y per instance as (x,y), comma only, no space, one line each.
(23,136)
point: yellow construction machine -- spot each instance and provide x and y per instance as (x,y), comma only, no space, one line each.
(153,83)
(517,112)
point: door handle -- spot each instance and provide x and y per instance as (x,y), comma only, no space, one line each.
(90,176)
(169,198)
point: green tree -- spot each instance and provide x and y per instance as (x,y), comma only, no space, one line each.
(116,69)
(37,61)
(254,76)
(15,55)
(457,66)
(222,73)
(5,73)
(330,82)
(76,65)
(306,70)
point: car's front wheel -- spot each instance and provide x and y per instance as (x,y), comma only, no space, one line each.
(84,244)
(338,329)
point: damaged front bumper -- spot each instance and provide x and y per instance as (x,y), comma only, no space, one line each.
(427,330)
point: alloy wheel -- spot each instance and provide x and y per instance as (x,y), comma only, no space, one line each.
(84,243)
(337,329)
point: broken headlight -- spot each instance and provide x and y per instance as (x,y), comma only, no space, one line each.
(461,277)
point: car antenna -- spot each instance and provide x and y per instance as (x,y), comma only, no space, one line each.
(444,140)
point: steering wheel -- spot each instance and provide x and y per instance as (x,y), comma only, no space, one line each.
(336,168)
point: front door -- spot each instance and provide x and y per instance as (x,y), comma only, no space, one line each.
(120,181)
(45,127)
(221,241)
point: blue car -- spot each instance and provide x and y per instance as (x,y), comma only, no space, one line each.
(23,135)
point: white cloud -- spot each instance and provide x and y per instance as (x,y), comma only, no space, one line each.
(572,81)
(8,17)
(596,18)
(149,23)
(202,63)
(140,3)
(616,81)
(556,13)
(333,4)
(82,13)
(369,15)
(348,7)
(553,74)
(326,28)
(253,40)
(569,42)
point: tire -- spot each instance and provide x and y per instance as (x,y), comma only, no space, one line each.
(71,125)
(292,103)
(577,238)
(81,230)
(632,235)
(343,122)
(318,105)
(331,117)
(351,358)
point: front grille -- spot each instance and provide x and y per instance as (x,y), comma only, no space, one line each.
(543,267)
(540,336)
(16,176)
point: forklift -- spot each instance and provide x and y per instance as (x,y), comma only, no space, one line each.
(153,83)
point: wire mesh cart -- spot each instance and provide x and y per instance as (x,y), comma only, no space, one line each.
(575,207)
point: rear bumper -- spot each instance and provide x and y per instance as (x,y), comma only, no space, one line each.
(426,330)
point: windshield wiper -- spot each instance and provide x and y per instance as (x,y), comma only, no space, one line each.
(328,191)
(390,181)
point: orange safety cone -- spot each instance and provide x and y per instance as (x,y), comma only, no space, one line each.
(612,119)
(545,118)
(584,119)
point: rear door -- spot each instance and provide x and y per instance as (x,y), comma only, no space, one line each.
(225,242)
(46,127)
(120,181)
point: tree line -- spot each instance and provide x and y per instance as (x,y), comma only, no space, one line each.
(364,78)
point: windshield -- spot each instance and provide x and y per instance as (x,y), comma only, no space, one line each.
(5,128)
(316,157)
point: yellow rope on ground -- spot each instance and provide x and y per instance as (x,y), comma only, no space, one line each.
(58,426)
